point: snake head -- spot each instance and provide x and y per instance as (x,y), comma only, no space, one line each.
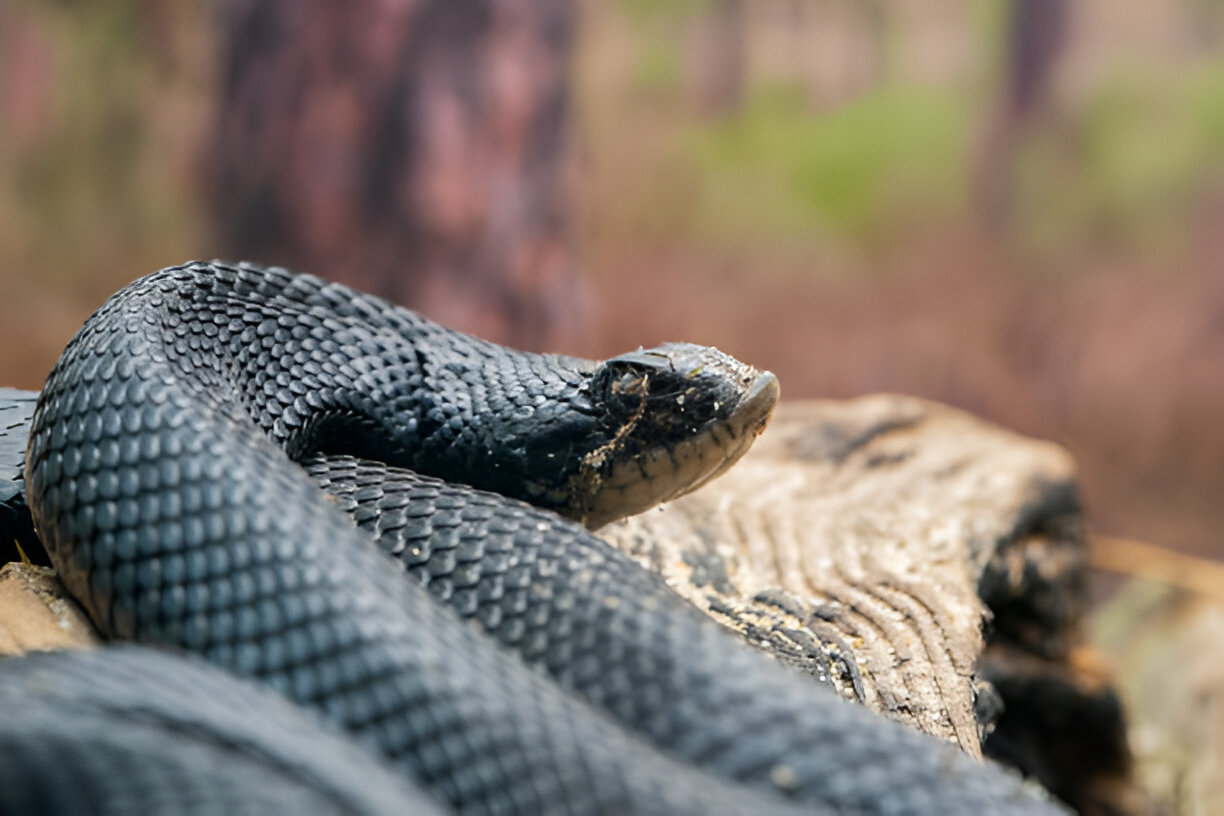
(671,418)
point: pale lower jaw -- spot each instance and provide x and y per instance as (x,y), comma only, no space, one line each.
(666,473)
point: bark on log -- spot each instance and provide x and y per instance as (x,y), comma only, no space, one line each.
(921,561)
(852,540)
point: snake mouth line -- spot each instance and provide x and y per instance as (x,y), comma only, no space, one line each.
(745,424)
(666,472)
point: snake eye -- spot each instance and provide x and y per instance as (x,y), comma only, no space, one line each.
(629,382)
(626,379)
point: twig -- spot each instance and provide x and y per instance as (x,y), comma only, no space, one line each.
(1142,560)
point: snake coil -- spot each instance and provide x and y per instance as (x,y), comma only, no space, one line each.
(174,471)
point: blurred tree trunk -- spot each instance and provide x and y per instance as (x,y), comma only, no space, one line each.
(414,149)
(1035,36)
(842,44)
(722,63)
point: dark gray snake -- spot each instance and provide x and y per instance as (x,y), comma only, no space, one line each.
(174,471)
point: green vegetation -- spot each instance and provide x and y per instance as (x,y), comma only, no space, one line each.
(852,172)
(1117,166)
(646,11)
(90,169)
(1127,168)
(110,164)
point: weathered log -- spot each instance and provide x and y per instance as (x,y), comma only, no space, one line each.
(910,556)
(921,561)
(858,534)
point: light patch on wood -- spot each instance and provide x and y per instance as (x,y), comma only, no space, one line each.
(36,615)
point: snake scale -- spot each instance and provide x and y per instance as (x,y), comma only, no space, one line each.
(222,461)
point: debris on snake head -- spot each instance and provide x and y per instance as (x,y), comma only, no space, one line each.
(674,417)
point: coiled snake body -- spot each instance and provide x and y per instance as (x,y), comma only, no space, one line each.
(174,466)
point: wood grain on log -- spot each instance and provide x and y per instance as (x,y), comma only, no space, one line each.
(854,539)
(36,614)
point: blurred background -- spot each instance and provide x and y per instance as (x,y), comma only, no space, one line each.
(1013,206)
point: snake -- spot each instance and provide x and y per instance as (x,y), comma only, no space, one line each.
(389,524)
